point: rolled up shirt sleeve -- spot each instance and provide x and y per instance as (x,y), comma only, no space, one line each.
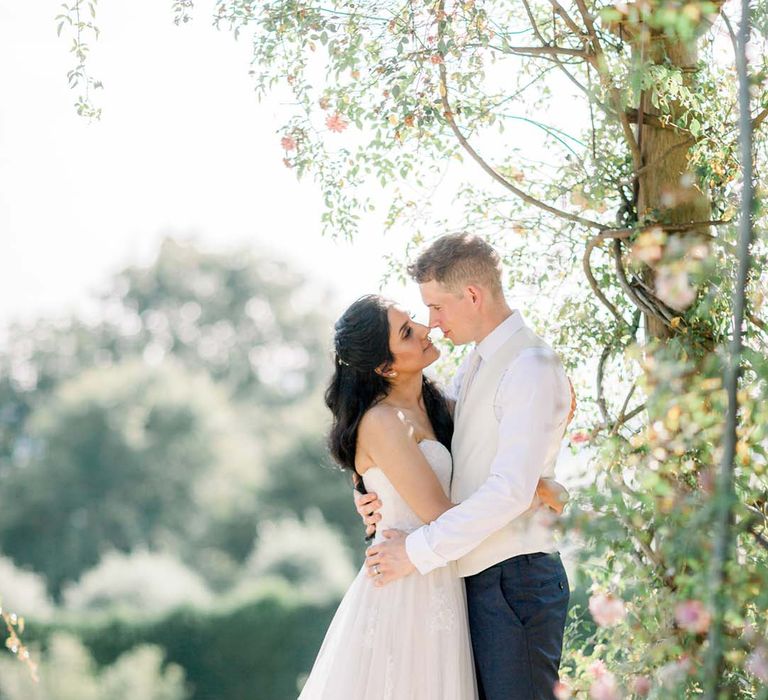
(534,408)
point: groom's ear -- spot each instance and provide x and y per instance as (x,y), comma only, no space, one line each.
(474,293)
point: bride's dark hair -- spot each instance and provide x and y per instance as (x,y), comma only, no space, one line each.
(362,344)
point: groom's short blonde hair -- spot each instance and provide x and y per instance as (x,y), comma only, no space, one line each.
(458,260)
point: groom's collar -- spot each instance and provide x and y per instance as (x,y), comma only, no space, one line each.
(500,335)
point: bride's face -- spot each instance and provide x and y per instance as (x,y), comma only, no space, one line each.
(409,342)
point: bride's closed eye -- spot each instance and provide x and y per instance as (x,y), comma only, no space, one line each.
(409,329)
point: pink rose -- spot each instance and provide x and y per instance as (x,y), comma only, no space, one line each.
(336,122)
(674,289)
(605,688)
(562,691)
(607,610)
(597,669)
(579,437)
(674,673)
(649,246)
(757,664)
(692,616)
(641,686)
(288,143)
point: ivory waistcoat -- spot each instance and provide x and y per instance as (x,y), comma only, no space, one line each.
(475,441)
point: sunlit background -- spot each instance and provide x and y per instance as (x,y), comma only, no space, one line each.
(170,522)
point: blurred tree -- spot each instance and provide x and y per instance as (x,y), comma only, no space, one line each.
(23,590)
(307,553)
(68,672)
(72,442)
(256,325)
(34,358)
(122,457)
(304,477)
(142,582)
(260,647)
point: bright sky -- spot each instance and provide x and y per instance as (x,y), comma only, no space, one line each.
(183,147)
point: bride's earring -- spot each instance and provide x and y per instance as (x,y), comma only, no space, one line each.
(390,375)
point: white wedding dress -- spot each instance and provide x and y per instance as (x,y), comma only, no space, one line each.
(408,640)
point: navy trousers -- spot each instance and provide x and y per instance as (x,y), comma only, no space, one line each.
(517,611)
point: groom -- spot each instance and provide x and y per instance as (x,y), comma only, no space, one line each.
(513,400)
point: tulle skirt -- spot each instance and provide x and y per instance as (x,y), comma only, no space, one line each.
(406,641)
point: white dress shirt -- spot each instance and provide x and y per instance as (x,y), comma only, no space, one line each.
(531,404)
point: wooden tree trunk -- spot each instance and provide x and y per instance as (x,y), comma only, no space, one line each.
(667,189)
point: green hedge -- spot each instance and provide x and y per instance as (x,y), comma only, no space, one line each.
(255,651)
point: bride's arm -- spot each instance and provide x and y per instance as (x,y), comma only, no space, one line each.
(389,443)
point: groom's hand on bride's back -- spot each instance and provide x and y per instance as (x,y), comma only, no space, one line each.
(367,505)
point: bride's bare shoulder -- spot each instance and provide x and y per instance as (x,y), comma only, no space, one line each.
(381,426)
(387,421)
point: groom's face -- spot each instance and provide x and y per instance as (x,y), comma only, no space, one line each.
(450,311)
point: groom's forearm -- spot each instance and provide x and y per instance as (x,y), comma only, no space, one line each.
(459,530)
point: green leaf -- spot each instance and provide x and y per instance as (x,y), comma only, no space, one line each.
(695,127)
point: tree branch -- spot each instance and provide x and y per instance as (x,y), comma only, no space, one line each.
(759,119)
(649,554)
(645,305)
(614,427)
(622,414)
(565,71)
(601,402)
(629,416)
(759,537)
(546,50)
(756,517)
(596,59)
(596,241)
(602,405)
(757,321)
(529,199)
(560,10)
(633,115)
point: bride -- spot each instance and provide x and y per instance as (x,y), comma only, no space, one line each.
(392,429)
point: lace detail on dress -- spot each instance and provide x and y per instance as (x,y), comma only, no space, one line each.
(442,611)
(371,620)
